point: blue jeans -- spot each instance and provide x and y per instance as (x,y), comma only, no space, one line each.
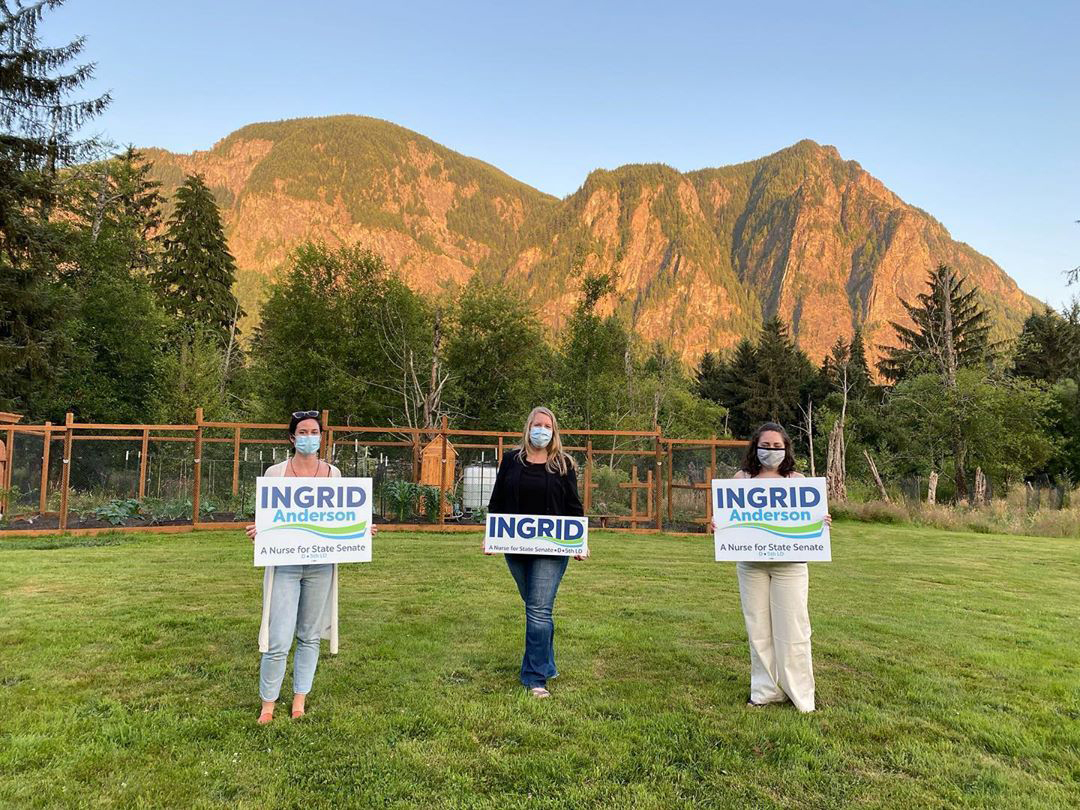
(538,577)
(297,602)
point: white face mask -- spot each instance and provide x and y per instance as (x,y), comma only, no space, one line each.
(770,459)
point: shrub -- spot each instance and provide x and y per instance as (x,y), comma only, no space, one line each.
(402,496)
(116,512)
(608,494)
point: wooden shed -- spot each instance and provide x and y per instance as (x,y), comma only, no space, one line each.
(433,464)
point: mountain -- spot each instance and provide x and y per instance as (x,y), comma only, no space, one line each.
(700,257)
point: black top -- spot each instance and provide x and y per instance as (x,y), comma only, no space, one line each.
(532,489)
(529,489)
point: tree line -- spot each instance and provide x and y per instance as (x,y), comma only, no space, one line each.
(114,312)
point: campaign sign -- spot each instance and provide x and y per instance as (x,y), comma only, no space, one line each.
(770,520)
(536,534)
(300,521)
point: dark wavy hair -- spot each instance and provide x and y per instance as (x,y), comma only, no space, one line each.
(752,466)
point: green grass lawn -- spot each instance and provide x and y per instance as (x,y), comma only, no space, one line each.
(948,671)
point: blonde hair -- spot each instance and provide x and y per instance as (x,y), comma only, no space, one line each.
(558,461)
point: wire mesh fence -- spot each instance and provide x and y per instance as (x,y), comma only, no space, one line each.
(83,475)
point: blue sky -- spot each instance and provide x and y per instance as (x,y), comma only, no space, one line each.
(970,110)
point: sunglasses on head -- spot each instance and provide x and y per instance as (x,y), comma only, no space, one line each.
(305,414)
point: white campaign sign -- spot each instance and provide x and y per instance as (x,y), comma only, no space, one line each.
(770,520)
(536,534)
(300,521)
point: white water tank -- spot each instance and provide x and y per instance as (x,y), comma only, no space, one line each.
(478,483)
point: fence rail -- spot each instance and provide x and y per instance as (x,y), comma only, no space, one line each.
(629,479)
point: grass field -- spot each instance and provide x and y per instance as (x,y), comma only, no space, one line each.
(948,670)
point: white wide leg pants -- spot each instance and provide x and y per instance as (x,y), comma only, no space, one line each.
(774,603)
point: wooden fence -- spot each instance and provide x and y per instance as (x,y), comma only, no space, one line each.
(650,497)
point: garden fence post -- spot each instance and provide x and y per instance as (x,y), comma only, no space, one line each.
(236,461)
(8,471)
(708,483)
(65,475)
(328,445)
(43,495)
(144,462)
(196,475)
(442,472)
(650,490)
(670,482)
(588,475)
(658,481)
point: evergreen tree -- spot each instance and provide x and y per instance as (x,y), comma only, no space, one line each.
(117,324)
(951,333)
(951,330)
(1049,346)
(782,369)
(38,122)
(850,358)
(736,387)
(707,376)
(197,270)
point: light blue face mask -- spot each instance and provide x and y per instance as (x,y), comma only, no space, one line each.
(308,445)
(539,437)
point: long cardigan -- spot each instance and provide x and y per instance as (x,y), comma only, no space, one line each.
(330,610)
(562,492)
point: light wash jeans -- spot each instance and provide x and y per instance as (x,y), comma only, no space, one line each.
(297,602)
(538,577)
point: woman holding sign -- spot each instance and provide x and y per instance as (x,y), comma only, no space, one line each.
(299,601)
(537,478)
(774,595)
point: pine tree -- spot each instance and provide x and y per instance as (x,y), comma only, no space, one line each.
(849,357)
(38,122)
(781,371)
(197,270)
(737,379)
(707,377)
(1049,346)
(116,324)
(951,330)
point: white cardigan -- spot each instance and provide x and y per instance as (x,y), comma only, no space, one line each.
(330,612)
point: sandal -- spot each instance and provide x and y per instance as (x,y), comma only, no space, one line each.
(539,692)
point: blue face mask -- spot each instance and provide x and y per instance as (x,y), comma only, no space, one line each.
(308,445)
(539,437)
